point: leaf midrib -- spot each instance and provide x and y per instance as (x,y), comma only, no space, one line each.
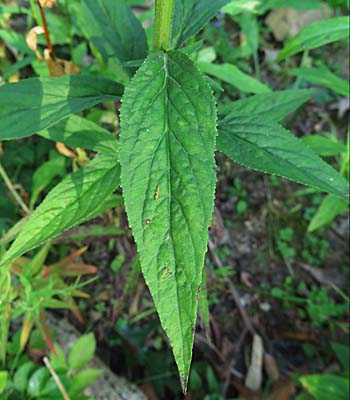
(169,176)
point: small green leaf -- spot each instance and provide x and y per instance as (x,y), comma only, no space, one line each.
(3,380)
(330,207)
(76,131)
(268,147)
(326,386)
(37,382)
(324,77)
(77,198)
(82,352)
(231,74)
(22,375)
(190,16)
(271,106)
(34,104)
(83,379)
(58,360)
(167,157)
(315,35)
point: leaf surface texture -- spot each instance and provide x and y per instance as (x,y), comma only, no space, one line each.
(270,148)
(168,132)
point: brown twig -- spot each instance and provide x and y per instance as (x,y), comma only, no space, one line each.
(56,379)
(46,29)
(248,325)
(233,362)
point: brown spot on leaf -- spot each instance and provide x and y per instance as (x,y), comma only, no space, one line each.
(156,196)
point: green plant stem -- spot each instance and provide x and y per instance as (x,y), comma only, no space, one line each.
(34,11)
(257,65)
(302,64)
(162,24)
(11,188)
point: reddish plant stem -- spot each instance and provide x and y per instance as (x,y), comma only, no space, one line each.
(46,29)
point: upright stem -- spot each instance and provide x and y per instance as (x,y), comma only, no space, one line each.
(162,24)
(35,13)
(257,65)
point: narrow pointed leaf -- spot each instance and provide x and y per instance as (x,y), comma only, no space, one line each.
(167,158)
(80,196)
(271,106)
(324,77)
(234,76)
(315,35)
(268,147)
(34,104)
(190,16)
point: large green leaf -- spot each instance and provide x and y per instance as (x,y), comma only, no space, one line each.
(271,106)
(76,131)
(326,386)
(268,147)
(317,34)
(234,76)
(324,77)
(113,29)
(34,104)
(80,196)
(190,16)
(168,130)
